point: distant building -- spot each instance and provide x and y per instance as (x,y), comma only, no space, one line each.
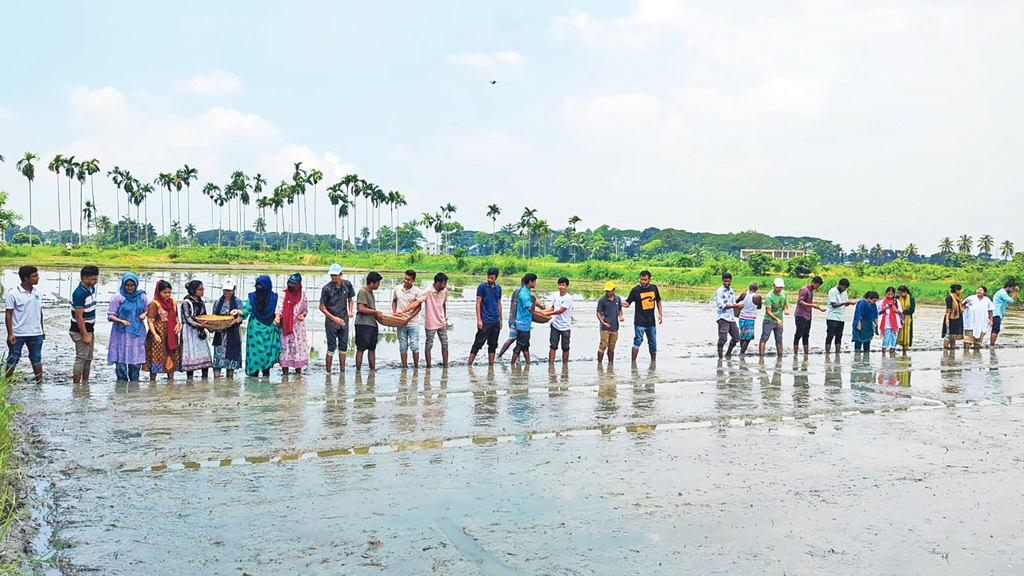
(778,254)
(430,248)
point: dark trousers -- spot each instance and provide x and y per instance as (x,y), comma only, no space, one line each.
(835,332)
(803,331)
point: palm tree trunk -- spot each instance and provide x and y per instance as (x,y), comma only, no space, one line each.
(314,211)
(71,217)
(81,191)
(30,213)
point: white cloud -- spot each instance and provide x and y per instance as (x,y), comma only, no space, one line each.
(484,61)
(795,97)
(216,83)
(6,114)
(103,101)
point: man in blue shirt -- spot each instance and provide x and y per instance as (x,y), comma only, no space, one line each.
(488,317)
(83,322)
(524,317)
(1003,298)
(24,317)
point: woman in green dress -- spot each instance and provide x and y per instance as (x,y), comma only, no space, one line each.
(262,337)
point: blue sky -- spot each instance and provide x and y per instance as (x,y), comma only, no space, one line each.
(861,122)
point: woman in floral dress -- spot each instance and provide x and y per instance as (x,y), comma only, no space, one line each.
(162,351)
(195,348)
(227,343)
(291,317)
(262,337)
(127,314)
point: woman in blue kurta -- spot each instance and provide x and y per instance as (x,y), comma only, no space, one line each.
(865,318)
(262,337)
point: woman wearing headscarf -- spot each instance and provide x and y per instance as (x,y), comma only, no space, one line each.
(227,343)
(162,351)
(127,314)
(291,317)
(195,349)
(865,321)
(909,305)
(262,338)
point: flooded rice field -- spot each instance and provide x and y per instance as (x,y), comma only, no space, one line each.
(793,466)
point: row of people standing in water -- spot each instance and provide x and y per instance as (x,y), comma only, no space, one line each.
(890,316)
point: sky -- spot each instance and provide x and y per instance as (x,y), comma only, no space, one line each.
(856,121)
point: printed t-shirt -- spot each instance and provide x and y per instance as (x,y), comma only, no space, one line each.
(367,299)
(645,300)
(434,317)
(836,297)
(609,310)
(489,299)
(776,303)
(725,297)
(562,321)
(85,299)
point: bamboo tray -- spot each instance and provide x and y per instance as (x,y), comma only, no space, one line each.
(216,323)
(540,318)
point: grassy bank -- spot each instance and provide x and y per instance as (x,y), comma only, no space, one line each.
(929,283)
(9,478)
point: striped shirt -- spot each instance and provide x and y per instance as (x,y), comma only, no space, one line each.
(83,299)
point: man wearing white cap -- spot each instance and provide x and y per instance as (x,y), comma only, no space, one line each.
(775,307)
(336,304)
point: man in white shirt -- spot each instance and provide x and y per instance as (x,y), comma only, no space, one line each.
(408,335)
(835,314)
(561,321)
(24,318)
(725,303)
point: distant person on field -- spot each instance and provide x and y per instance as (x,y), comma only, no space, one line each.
(404,297)
(24,315)
(527,302)
(561,321)
(890,320)
(835,316)
(750,302)
(1004,297)
(953,323)
(647,297)
(776,306)
(725,306)
(865,321)
(488,317)
(367,332)
(804,306)
(609,314)
(336,303)
(978,314)
(905,339)
(83,322)
(435,316)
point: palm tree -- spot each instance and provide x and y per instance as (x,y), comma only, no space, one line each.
(165,180)
(260,226)
(91,167)
(543,231)
(985,244)
(379,198)
(352,184)
(89,211)
(910,250)
(876,252)
(343,211)
(283,194)
(315,176)
(116,176)
(28,170)
(528,218)
(212,191)
(186,175)
(80,176)
(397,200)
(573,221)
(371,195)
(946,245)
(190,232)
(143,193)
(299,179)
(448,210)
(493,211)
(1006,250)
(55,166)
(334,195)
(258,181)
(427,222)
(964,244)
(70,169)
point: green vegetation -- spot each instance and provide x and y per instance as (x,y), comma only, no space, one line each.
(9,479)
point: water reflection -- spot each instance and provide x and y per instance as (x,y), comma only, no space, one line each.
(801,384)
(771,385)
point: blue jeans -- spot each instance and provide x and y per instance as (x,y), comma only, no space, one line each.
(129,372)
(652,337)
(35,350)
(408,337)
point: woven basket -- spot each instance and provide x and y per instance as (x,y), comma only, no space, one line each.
(216,323)
(394,321)
(540,318)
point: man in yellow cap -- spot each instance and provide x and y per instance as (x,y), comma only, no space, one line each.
(609,314)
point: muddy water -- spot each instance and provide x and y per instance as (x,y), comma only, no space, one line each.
(861,465)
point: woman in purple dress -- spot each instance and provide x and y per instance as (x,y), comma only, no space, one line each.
(127,314)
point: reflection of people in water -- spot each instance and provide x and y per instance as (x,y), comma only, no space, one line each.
(903,370)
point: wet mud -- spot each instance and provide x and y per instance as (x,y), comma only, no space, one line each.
(794,466)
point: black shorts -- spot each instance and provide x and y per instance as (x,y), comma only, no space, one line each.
(489,335)
(562,335)
(997,324)
(522,342)
(366,338)
(337,336)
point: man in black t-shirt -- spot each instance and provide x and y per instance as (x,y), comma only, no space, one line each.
(647,298)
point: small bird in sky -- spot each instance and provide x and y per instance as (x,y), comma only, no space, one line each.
(494,81)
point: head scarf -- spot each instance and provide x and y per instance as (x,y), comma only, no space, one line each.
(263,301)
(131,308)
(172,314)
(222,307)
(956,310)
(292,296)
